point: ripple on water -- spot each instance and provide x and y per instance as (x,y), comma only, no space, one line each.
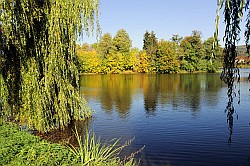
(179,118)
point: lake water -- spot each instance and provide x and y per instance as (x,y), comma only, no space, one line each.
(180,118)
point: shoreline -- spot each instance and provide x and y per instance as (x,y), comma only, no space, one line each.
(131,72)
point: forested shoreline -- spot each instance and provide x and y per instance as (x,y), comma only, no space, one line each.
(177,55)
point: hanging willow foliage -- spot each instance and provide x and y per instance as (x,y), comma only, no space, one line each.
(39,76)
(233,15)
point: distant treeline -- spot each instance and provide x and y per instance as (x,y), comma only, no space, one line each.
(116,55)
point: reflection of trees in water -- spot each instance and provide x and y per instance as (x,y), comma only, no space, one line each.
(150,104)
(150,88)
(179,90)
(189,90)
(191,86)
(115,91)
(107,102)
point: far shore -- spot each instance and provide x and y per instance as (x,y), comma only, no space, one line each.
(132,72)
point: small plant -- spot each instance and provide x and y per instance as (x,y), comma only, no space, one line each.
(92,153)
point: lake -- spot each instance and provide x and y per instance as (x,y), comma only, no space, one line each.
(180,118)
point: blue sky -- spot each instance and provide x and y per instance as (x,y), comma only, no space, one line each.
(164,17)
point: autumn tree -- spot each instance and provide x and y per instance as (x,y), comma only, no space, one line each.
(144,64)
(39,79)
(113,63)
(167,57)
(89,61)
(86,47)
(132,59)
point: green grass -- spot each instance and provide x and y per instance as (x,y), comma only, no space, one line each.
(18,147)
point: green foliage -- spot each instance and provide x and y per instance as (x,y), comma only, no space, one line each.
(178,55)
(113,63)
(89,61)
(21,148)
(39,71)
(193,52)
(4,107)
(131,60)
(122,42)
(186,66)
(176,39)
(217,50)
(167,58)
(92,153)
(213,54)
(150,43)
(106,46)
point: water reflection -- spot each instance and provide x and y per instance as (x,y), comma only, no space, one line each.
(115,92)
(150,87)
(178,117)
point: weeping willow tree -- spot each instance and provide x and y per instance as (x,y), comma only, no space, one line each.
(39,75)
(234,12)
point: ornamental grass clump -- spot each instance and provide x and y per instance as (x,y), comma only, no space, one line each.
(92,152)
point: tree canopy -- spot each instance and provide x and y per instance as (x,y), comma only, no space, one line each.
(188,54)
(39,75)
(106,45)
(122,41)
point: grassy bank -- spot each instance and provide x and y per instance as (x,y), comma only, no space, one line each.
(18,147)
(21,148)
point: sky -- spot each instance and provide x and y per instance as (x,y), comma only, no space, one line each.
(164,17)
